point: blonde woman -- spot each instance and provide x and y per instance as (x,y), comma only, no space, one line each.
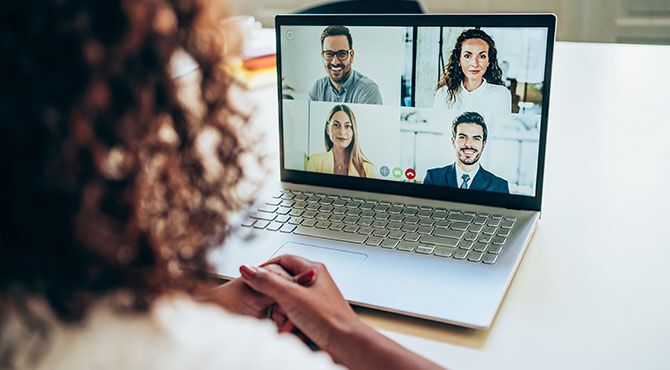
(343,154)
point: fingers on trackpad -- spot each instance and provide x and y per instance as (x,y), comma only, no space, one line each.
(342,265)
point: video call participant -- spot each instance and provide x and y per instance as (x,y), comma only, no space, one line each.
(343,154)
(343,83)
(469,134)
(472,81)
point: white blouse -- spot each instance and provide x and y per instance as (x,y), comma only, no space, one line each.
(487,98)
(177,333)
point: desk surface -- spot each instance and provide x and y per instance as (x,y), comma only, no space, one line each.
(593,290)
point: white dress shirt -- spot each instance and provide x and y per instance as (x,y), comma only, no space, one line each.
(460,172)
(487,98)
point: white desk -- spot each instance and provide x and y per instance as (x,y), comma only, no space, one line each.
(593,290)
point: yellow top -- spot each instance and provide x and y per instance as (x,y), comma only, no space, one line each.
(325,163)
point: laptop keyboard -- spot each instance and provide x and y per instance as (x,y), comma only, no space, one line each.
(447,233)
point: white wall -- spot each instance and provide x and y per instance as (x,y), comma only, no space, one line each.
(377,52)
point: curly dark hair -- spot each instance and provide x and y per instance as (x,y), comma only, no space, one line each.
(453,76)
(110,181)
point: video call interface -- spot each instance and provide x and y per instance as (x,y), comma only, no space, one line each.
(457,107)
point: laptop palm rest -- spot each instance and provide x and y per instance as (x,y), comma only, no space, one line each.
(342,265)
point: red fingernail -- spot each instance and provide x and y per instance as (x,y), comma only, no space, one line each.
(248,272)
(306,277)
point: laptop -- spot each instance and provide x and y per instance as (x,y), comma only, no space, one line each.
(412,152)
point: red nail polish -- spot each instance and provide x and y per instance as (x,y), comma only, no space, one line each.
(248,272)
(306,277)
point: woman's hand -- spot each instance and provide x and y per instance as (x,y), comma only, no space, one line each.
(237,297)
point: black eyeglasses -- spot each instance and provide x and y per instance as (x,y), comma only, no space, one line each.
(340,54)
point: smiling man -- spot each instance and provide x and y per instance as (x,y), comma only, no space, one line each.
(469,136)
(343,83)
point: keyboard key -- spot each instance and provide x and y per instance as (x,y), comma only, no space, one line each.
(484,238)
(435,240)
(278,194)
(330,234)
(497,217)
(273,202)
(475,228)
(379,224)
(367,214)
(424,213)
(412,237)
(406,246)
(351,228)
(448,233)
(286,228)
(365,230)
(439,216)
(353,212)
(299,205)
(490,258)
(336,226)
(367,206)
(413,206)
(442,224)
(409,228)
(326,202)
(495,249)
(470,236)
(409,212)
(381,208)
(364,222)
(469,213)
(285,203)
(339,203)
(389,243)
(394,226)
(309,222)
(282,218)
(426,222)
(295,220)
(504,232)
(460,254)
(396,218)
(460,226)
(480,247)
(323,224)
(489,230)
(274,226)
(322,216)
(249,222)
(425,249)
(312,206)
(264,216)
(380,232)
(412,220)
(426,230)
(494,223)
(300,198)
(283,210)
(396,235)
(474,256)
(460,218)
(398,204)
(374,241)
(267,208)
(353,204)
(288,195)
(326,209)
(309,214)
(336,218)
(381,216)
(295,212)
(426,208)
(498,240)
(464,244)
(483,214)
(350,220)
(510,218)
(479,220)
(261,224)
(507,224)
(444,251)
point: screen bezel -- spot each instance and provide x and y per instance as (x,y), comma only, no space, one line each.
(512,201)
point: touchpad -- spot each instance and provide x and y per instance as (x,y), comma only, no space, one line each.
(342,265)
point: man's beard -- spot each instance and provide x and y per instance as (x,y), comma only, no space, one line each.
(472,160)
(344,76)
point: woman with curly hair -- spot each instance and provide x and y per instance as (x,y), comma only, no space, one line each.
(472,80)
(115,188)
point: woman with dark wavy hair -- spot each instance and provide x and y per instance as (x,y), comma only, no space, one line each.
(117,180)
(472,80)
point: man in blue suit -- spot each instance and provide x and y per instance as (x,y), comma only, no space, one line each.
(469,136)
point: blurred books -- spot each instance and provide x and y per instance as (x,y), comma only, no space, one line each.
(257,65)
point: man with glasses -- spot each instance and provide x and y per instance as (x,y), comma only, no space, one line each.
(343,84)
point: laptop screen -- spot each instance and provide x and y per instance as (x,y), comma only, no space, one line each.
(438,106)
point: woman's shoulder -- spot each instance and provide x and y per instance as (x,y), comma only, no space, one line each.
(497,89)
(319,156)
(177,333)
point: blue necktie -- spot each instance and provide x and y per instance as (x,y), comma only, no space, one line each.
(466,178)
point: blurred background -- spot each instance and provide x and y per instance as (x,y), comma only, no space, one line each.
(619,21)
